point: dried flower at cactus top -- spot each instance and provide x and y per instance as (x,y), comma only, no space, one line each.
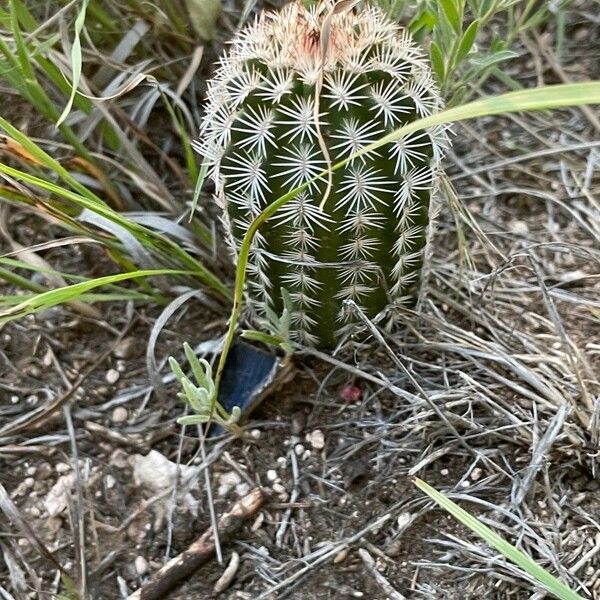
(281,108)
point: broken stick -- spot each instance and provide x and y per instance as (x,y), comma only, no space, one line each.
(201,550)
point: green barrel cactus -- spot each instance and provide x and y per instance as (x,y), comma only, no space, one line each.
(281,108)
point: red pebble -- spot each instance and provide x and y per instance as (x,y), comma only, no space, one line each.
(350,393)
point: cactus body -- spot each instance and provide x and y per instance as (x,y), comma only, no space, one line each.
(281,108)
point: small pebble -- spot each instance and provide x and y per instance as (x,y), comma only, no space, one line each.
(465,484)
(403,520)
(110,482)
(31,400)
(476,474)
(112,376)
(119,415)
(350,393)
(136,532)
(317,439)
(62,467)
(141,565)
(282,462)
(43,471)
(227,481)
(444,472)
(341,556)
(258,522)
(519,227)
(126,348)
(255,434)
(34,511)
(278,488)
(299,449)
(119,459)
(53,524)
(272,475)
(14,399)
(241,489)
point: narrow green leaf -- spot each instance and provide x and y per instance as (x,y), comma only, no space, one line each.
(76,61)
(71,292)
(203,16)
(452,13)
(495,58)
(193,419)
(466,43)
(426,20)
(549,581)
(542,98)
(437,62)
(556,96)
(155,241)
(22,51)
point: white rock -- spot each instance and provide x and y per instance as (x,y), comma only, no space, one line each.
(255,434)
(157,473)
(227,481)
(272,475)
(119,415)
(476,474)
(57,498)
(317,439)
(519,227)
(278,488)
(62,467)
(110,482)
(241,489)
(299,449)
(140,565)
(404,519)
(341,556)
(112,376)
(118,459)
(126,348)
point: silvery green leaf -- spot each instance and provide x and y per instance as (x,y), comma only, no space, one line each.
(193,419)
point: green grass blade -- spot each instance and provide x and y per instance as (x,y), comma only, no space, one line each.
(555,96)
(549,581)
(76,61)
(47,160)
(542,98)
(73,292)
(154,241)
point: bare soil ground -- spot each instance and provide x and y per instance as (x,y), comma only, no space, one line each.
(491,394)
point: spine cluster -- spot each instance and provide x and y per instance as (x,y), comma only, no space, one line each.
(280,110)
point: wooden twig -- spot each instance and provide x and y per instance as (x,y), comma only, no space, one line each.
(201,550)
(382,582)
